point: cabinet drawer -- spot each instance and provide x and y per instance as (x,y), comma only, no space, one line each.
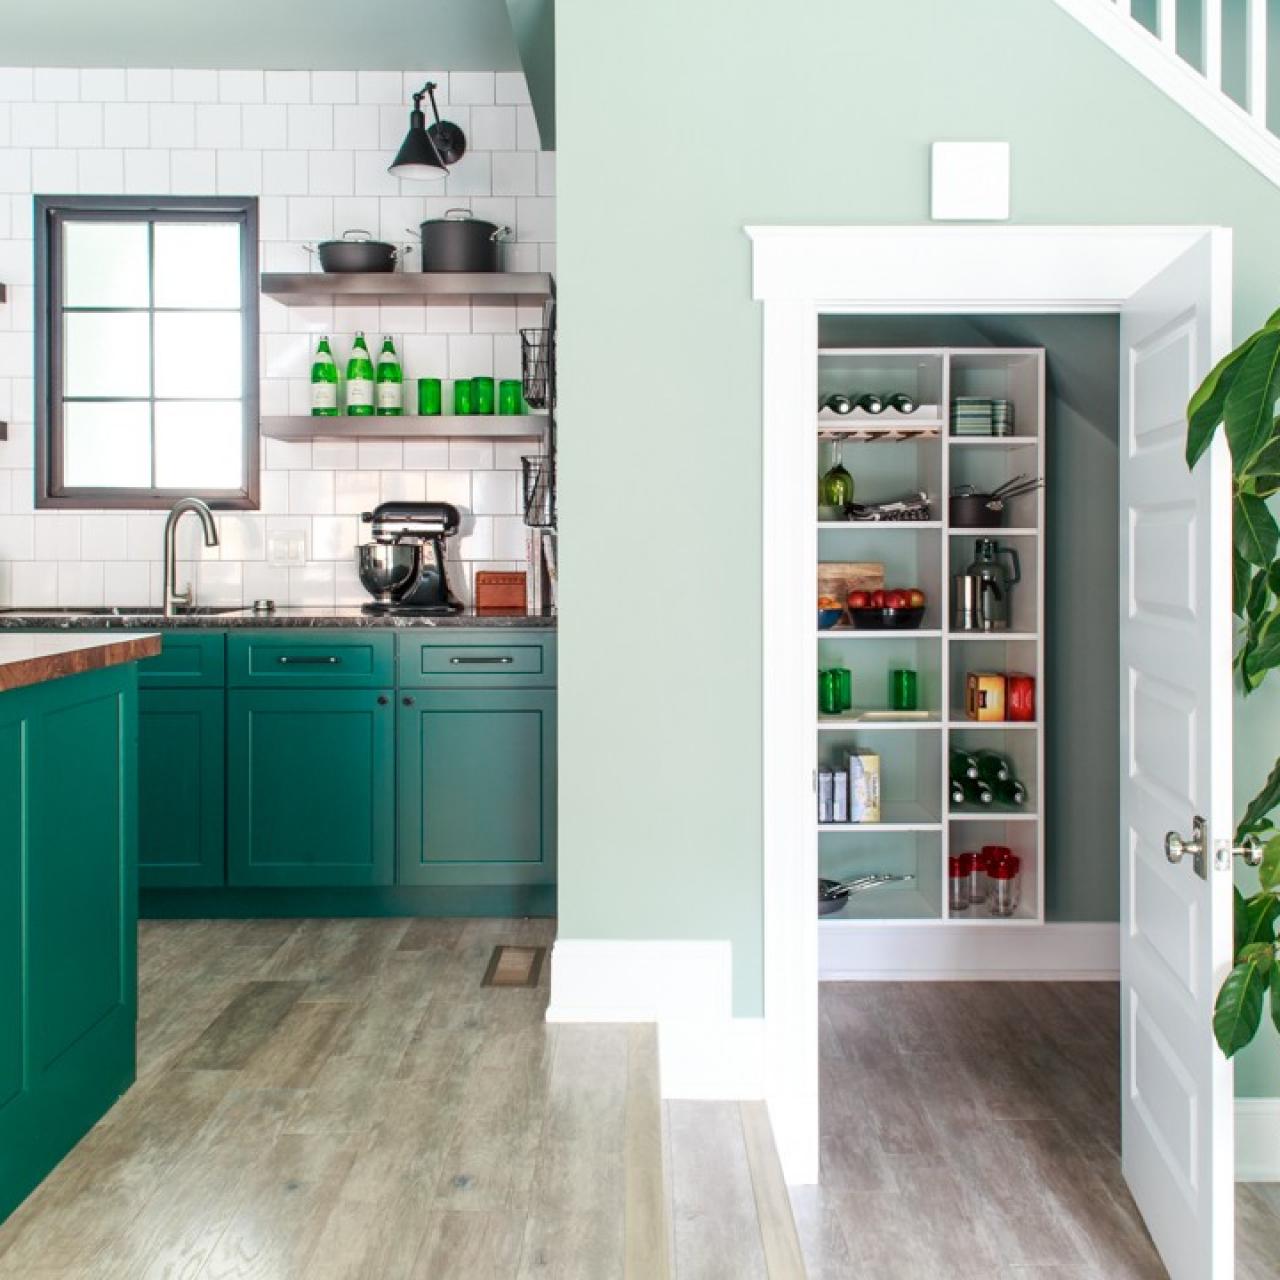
(188,660)
(327,658)
(478,658)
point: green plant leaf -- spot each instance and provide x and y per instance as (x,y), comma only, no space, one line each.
(1255,530)
(1206,406)
(1250,405)
(1261,805)
(1259,596)
(1273,578)
(1239,917)
(1262,954)
(1238,1009)
(1269,867)
(1275,996)
(1259,922)
(1261,653)
(1241,581)
(1268,460)
(1265,484)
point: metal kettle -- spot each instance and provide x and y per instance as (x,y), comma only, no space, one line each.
(981,600)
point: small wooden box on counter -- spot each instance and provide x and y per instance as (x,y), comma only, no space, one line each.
(500,591)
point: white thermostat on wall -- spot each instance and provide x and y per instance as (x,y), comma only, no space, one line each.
(970,182)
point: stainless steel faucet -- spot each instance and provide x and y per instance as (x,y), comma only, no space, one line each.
(173,598)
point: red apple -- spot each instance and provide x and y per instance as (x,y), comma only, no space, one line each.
(895,599)
(877,599)
(859,600)
(915,598)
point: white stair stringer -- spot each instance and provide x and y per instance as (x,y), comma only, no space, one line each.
(1199,93)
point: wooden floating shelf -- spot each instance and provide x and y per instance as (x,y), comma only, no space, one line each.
(872,432)
(305,288)
(525,426)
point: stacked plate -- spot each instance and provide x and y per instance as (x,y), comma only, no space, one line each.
(981,416)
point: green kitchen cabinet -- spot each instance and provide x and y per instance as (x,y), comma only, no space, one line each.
(310,787)
(182,788)
(68,915)
(477,786)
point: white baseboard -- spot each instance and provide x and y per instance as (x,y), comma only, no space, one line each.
(1258,1139)
(1034,953)
(686,988)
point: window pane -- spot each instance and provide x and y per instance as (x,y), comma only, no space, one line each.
(198,445)
(106,354)
(104,264)
(107,445)
(198,353)
(197,264)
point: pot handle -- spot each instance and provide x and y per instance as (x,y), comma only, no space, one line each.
(500,234)
(458,215)
(357,235)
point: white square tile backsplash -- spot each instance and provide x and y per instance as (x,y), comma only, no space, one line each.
(314,147)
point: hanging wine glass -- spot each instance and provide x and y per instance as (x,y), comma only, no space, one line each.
(835,489)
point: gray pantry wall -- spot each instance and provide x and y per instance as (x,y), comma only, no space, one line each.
(1082,727)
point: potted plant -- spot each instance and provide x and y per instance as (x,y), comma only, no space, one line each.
(1239,396)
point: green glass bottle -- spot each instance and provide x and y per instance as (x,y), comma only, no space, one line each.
(359,380)
(1010,792)
(978,792)
(390,391)
(993,767)
(324,382)
(963,765)
(835,489)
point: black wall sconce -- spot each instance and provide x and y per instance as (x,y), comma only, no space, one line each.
(427,152)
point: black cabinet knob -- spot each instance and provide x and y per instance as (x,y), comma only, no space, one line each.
(383,699)
(408,702)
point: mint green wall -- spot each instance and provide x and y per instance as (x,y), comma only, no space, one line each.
(677,124)
(414,35)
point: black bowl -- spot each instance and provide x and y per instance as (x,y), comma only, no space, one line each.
(887,619)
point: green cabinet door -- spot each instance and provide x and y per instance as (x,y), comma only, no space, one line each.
(182,788)
(310,787)
(477,802)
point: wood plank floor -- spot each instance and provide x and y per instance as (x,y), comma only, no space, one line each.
(972,1130)
(343,1100)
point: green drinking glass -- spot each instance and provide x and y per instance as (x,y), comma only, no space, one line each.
(844,687)
(463,398)
(903,690)
(481,395)
(828,695)
(430,397)
(510,397)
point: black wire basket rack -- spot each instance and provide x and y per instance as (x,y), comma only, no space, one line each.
(539,491)
(538,364)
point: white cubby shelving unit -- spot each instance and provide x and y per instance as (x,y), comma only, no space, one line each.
(891,456)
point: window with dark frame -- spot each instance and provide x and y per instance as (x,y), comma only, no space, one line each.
(146,351)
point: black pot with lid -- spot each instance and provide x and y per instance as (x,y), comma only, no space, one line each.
(357,251)
(461,242)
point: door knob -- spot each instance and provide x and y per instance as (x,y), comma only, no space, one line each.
(1176,847)
(1250,849)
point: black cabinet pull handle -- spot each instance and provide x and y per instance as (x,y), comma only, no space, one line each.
(308,659)
(408,702)
(503,661)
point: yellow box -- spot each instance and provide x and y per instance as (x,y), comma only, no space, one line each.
(984,695)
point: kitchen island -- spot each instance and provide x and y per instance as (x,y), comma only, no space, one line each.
(68,891)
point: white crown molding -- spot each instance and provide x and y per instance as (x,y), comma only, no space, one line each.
(1211,107)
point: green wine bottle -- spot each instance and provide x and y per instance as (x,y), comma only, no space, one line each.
(1010,791)
(957,792)
(390,381)
(359,380)
(963,765)
(978,792)
(993,767)
(324,382)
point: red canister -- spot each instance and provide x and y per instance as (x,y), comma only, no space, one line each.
(1019,696)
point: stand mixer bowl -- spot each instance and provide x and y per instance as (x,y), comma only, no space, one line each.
(387,566)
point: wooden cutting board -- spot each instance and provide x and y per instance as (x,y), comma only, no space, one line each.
(838,580)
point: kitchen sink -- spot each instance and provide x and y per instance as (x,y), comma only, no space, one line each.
(123,611)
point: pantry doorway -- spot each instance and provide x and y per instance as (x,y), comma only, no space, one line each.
(1171,289)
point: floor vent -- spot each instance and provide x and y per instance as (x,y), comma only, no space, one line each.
(514,967)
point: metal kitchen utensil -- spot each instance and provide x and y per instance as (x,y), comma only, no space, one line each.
(993,583)
(833,894)
(913,507)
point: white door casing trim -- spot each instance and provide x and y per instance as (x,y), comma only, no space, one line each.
(1257,1139)
(799,272)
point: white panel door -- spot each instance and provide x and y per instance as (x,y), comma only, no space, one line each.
(1175,657)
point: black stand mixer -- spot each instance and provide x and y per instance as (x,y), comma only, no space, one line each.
(403,568)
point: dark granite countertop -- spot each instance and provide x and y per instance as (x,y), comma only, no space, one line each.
(28,660)
(220,619)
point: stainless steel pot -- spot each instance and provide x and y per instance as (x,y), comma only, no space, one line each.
(357,251)
(460,242)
